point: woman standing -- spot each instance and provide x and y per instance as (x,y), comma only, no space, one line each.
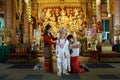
(47,37)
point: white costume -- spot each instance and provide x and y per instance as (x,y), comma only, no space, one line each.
(76,51)
(63,63)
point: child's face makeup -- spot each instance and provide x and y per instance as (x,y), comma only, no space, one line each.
(71,40)
(62,34)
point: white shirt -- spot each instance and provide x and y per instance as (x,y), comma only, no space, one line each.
(59,50)
(75,50)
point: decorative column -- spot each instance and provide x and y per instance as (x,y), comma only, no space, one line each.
(98,10)
(116,18)
(8,13)
(25,22)
(116,15)
(14,7)
(97,13)
(110,9)
(10,19)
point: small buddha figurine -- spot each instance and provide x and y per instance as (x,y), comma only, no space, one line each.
(76,12)
(48,15)
(63,19)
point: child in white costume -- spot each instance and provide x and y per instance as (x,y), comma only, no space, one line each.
(62,53)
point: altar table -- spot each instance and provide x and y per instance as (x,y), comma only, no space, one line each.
(96,56)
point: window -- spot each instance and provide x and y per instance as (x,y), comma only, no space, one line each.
(106,31)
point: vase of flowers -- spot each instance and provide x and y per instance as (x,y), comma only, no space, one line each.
(117,33)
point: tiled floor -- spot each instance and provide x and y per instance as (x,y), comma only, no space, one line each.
(31,74)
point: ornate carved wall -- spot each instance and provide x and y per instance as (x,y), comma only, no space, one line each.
(25,23)
(71,3)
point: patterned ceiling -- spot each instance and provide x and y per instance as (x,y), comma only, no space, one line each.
(46,1)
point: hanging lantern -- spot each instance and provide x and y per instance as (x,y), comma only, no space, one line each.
(94,7)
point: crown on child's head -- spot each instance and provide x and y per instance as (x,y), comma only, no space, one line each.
(62,30)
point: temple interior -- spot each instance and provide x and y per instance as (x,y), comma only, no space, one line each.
(94,23)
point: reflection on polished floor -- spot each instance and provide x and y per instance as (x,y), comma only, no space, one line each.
(25,71)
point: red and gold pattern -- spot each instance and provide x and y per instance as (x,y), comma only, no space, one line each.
(56,10)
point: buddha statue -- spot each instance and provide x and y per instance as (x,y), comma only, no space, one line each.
(63,19)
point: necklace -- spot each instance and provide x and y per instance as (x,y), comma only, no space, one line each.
(61,46)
